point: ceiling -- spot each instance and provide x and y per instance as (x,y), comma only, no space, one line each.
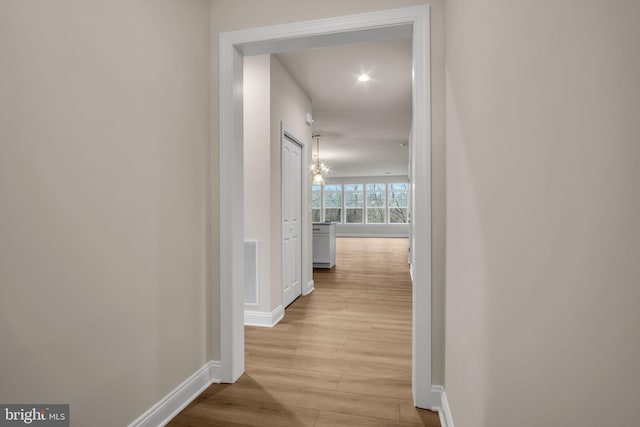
(364,125)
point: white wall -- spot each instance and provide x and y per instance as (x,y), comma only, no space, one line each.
(229,15)
(543,166)
(271,96)
(104,133)
(370,230)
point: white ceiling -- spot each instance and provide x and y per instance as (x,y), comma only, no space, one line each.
(362,124)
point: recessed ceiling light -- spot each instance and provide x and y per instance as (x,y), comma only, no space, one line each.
(363,77)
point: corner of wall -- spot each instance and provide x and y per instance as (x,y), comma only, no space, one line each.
(441,405)
(262,318)
(176,400)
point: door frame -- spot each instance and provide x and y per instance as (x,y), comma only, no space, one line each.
(374,26)
(286,132)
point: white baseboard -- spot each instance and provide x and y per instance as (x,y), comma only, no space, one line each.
(441,405)
(263,318)
(169,406)
(310,288)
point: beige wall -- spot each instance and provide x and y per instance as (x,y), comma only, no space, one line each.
(104,133)
(105,188)
(543,166)
(438,218)
(229,15)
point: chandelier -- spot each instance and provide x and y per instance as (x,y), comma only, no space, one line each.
(318,169)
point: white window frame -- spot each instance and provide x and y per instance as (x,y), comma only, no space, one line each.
(384,203)
(341,207)
(321,219)
(343,214)
(389,207)
(344,200)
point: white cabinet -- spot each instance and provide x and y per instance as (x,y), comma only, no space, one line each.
(324,245)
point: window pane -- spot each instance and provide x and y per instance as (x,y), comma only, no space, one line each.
(332,199)
(336,187)
(375,199)
(398,215)
(333,203)
(353,199)
(315,215)
(354,216)
(332,215)
(398,199)
(316,196)
(375,187)
(353,187)
(393,187)
(375,215)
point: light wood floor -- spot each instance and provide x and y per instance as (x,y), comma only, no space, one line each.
(341,356)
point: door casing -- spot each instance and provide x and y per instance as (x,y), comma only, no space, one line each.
(384,25)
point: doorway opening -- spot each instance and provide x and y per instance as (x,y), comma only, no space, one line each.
(377,26)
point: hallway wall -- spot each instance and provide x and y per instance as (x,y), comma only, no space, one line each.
(543,166)
(104,136)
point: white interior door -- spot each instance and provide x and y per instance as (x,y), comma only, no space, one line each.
(291,221)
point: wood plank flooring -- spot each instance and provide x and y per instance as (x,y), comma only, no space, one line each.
(341,356)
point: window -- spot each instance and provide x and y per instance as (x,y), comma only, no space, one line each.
(316,203)
(361,203)
(353,202)
(333,203)
(376,203)
(398,203)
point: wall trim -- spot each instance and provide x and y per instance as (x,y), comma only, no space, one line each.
(264,318)
(441,405)
(309,288)
(177,399)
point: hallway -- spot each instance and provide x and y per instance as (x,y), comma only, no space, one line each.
(341,356)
